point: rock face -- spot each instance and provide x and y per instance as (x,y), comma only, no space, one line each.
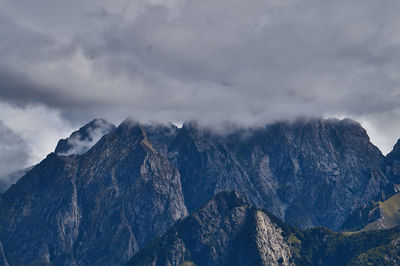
(309,173)
(98,208)
(83,139)
(228,231)
(375,215)
(382,212)
(225,231)
(101,206)
(271,245)
(392,164)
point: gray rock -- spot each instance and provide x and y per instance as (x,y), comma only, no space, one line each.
(98,208)
(102,206)
(225,231)
(309,173)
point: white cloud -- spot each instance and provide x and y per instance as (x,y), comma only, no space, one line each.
(38,126)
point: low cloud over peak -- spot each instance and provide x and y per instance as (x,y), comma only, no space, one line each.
(245,63)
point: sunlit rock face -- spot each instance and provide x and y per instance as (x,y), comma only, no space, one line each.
(227,230)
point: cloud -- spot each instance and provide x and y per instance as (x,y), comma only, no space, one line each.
(85,138)
(38,127)
(14,155)
(214,61)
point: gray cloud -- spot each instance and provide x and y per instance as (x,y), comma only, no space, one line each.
(214,61)
(85,138)
(14,155)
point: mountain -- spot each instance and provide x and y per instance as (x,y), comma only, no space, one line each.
(225,231)
(375,215)
(83,139)
(383,212)
(96,208)
(308,173)
(228,231)
(102,206)
(79,142)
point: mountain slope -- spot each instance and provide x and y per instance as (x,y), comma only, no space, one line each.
(375,215)
(225,231)
(320,246)
(383,212)
(104,205)
(97,208)
(228,231)
(309,173)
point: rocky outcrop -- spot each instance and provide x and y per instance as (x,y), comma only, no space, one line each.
(382,212)
(83,139)
(98,208)
(376,215)
(228,231)
(271,245)
(311,172)
(102,206)
(225,231)
(361,217)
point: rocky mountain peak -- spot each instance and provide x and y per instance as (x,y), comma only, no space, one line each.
(82,140)
(224,231)
(139,179)
(122,189)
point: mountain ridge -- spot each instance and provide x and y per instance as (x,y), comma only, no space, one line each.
(120,181)
(262,239)
(84,138)
(138,180)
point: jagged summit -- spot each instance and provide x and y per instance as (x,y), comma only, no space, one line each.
(139,179)
(83,139)
(220,233)
(120,190)
(224,231)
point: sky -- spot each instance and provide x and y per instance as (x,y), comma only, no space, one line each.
(63,63)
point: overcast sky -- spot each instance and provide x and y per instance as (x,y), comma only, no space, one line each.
(63,63)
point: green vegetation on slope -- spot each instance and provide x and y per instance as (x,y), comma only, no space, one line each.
(315,246)
(321,246)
